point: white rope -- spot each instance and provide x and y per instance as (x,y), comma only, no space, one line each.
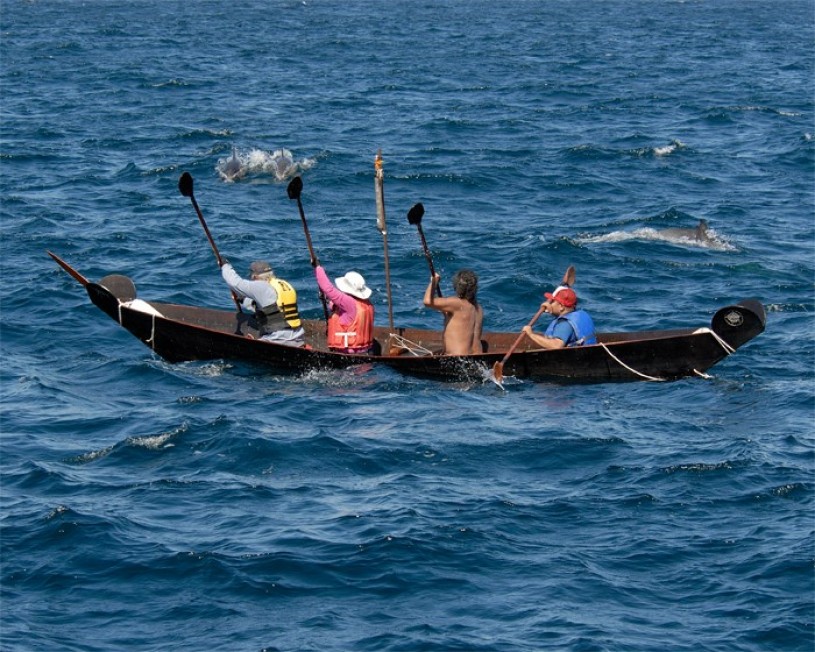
(410,347)
(152,312)
(729,349)
(633,371)
(152,340)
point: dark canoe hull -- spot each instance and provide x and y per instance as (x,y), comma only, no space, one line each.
(181,333)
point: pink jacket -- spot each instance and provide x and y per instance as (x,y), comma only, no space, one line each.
(344,305)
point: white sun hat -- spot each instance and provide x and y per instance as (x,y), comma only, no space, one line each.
(353,283)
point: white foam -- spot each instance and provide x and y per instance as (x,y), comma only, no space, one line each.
(279,163)
(713,241)
(154,442)
(668,149)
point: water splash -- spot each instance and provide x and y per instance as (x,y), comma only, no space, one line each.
(279,164)
(715,241)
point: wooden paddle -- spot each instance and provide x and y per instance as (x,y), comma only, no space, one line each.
(185,184)
(294,190)
(498,367)
(414,217)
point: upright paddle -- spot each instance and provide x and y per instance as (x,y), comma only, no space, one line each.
(498,367)
(379,191)
(185,184)
(414,216)
(294,190)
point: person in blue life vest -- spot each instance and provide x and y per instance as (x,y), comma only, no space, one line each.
(272,301)
(569,326)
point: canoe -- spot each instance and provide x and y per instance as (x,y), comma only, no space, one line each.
(181,333)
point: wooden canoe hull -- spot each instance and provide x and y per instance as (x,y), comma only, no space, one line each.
(181,333)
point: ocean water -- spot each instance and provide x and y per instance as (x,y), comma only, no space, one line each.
(219,506)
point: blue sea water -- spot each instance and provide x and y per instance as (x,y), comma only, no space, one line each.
(218,506)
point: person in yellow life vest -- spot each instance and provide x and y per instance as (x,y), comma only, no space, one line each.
(351,323)
(273,301)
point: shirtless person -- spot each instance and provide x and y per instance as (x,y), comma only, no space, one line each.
(463,316)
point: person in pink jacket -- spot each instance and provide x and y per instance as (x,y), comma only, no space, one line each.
(351,323)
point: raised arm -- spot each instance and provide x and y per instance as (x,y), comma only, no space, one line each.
(442,304)
(345,303)
(430,292)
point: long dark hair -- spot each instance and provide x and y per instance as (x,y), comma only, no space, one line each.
(465,283)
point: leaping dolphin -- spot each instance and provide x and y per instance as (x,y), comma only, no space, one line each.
(700,236)
(283,164)
(232,168)
(700,233)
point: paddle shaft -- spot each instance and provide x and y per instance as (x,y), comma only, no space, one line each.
(206,231)
(517,341)
(185,185)
(310,247)
(305,229)
(428,256)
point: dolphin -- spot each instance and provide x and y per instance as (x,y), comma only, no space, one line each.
(700,233)
(232,168)
(282,164)
(700,236)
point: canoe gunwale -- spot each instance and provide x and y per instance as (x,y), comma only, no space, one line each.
(180,333)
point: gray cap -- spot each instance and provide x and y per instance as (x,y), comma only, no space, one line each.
(260,267)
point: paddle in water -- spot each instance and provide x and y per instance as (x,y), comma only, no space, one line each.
(497,375)
(414,217)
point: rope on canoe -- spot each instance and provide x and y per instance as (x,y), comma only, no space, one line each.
(411,347)
(633,371)
(152,340)
(728,349)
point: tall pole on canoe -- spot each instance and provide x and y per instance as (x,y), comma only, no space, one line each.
(379,190)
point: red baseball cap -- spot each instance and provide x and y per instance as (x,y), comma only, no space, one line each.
(565,296)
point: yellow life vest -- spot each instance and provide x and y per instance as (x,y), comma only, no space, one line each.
(286,301)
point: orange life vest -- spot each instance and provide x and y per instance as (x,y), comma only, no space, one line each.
(359,334)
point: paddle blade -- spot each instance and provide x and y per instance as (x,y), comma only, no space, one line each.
(498,372)
(294,188)
(185,184)
(569,276)
(415,214)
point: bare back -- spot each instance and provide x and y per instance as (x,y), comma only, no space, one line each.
(463,321)
(462,324)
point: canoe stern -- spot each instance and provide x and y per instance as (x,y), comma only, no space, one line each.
(739,323)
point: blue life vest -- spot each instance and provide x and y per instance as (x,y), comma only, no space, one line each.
(582,327)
